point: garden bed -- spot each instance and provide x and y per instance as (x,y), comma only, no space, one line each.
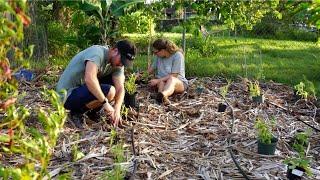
(188,139)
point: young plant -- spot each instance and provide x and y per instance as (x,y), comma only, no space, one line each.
(300,90)
(299,162)
(301,141)
(124,112)
(254,89)
(264,130)
(224,89)
(130,84)
(117,172)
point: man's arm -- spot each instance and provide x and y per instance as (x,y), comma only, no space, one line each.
(92,81)
(118,81)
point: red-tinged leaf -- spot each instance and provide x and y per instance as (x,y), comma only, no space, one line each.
(7,103)
(24,18)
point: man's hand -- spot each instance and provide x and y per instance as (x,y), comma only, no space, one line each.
(154,82)
(109,110)
(117,119)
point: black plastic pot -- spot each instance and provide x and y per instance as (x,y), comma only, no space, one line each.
(295,174)
(222,107)
(258,99)
(267,149)
(296,96)
(130,100)
(199,89)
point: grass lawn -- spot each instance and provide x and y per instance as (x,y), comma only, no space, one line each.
(277,60)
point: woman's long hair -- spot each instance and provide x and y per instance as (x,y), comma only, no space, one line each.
(169,46)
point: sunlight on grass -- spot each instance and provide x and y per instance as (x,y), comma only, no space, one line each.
(277,60)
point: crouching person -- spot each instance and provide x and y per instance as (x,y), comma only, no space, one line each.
(94,78)
(170,70)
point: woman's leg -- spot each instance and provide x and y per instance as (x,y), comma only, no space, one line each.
(172,85)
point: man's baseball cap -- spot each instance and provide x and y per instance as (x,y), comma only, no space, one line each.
(127,51)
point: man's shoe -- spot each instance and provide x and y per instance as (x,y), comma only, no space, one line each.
(94,115)
(77,119)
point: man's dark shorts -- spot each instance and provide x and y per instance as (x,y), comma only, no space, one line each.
(79,97)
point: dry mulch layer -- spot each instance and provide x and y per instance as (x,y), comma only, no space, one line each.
(189,139)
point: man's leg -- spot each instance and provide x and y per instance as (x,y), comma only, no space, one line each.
(81,100)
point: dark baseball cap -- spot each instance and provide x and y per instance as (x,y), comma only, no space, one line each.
(127,51)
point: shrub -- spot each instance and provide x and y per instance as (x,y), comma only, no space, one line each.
(136,22)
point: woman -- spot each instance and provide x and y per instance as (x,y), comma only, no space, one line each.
(170,70)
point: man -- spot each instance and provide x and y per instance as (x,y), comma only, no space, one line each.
(94,78)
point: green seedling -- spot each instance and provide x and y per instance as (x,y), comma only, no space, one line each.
(301,141)
(301,162)
(300,90)
(124,112)
(224,89)
(264,130)
(254,89)
(76,153)
(130,84)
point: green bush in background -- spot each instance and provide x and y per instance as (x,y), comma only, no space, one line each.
(136,22)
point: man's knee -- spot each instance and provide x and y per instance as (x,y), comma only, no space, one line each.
(111,93)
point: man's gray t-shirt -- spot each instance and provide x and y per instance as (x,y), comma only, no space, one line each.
(172,64)
(73,75)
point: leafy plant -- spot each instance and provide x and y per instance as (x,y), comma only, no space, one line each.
(300,90)
(117,150)
(300,141)
(254,89)
(130,84)
(264,130)
(124,112)
(224,89)
(299,161)
(117,173)
(34,146)
(76,153)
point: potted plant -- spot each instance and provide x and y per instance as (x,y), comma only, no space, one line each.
(130,99)
(297,166)
(266,141)
(199,87)
(255,92)
(223,91)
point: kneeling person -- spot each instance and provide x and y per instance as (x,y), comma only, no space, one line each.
(95,77)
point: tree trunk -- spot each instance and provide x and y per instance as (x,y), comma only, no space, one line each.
(36,34)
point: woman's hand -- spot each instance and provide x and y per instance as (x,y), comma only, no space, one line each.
(154,82)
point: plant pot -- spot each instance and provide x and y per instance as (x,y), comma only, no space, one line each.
(222,107)
(199,89)
(258,99)
(295,174)
(267,149)
(130,100)
(296,96)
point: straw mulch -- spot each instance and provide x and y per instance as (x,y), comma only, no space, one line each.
(187,139)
